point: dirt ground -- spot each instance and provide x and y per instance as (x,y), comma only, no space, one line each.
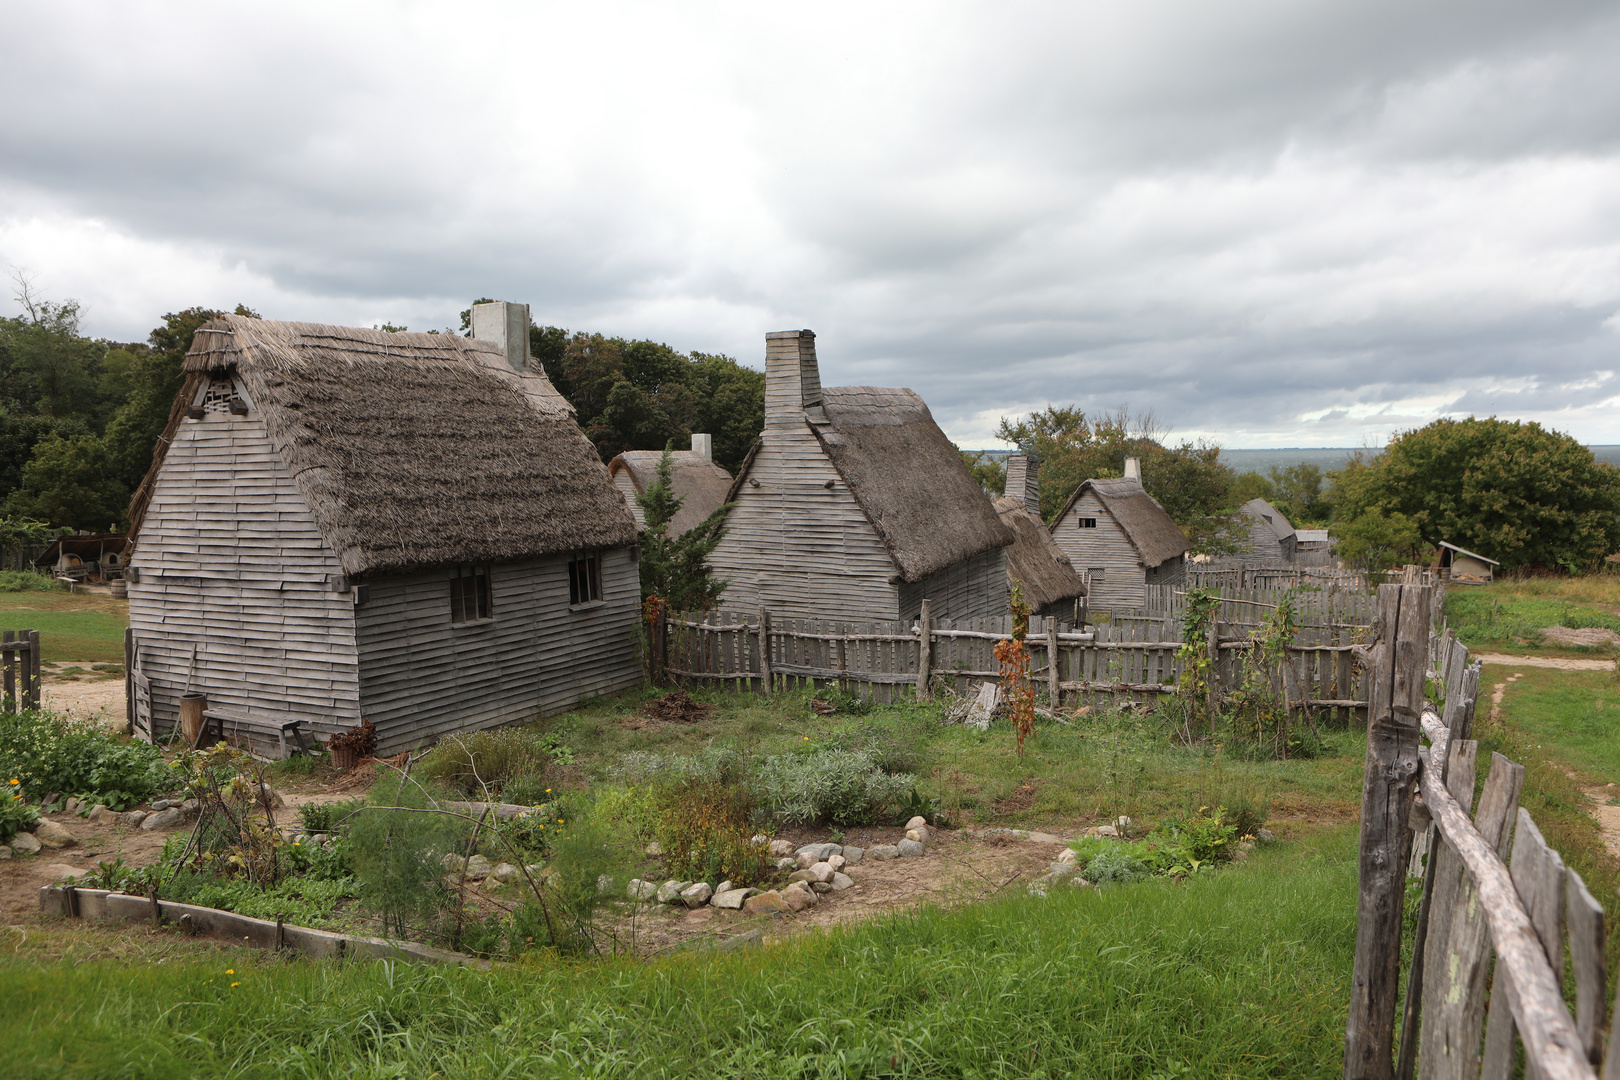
(84,696)
(1562,663)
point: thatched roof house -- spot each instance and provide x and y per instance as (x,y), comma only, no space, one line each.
(1262,535)
(1120,540)
(854,505)
(1034,561)
(700,484)
(410,528)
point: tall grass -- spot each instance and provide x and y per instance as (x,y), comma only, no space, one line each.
(1244,973)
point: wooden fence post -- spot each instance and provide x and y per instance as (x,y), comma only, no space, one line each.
(129,680)
(9,664)
(1399,664)
(1053,688)
(1212,694)
(765,651)
(925,642)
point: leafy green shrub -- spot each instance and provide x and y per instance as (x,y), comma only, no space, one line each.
(327,817)
(301,899)
(715,763)
(1176,846)
(397,846)
(845,787)
(50,754)
(520,758)
(28,581)
(15,811)
(1204,837)
(895,747)
(1119,864)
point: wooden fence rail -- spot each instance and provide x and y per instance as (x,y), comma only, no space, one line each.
(19,658)
(1491,884)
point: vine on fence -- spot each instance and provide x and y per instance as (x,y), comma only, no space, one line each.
(1013,655)
(1197,666)
(1260,705)
(654,610)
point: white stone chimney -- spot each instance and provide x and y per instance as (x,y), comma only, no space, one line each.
(703,444)
(507,325)
(1133,469)
(792,380)
(1023,480)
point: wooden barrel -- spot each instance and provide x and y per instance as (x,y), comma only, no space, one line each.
(119,589)
(192,707)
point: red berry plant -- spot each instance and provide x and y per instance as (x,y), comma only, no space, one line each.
(1013,656)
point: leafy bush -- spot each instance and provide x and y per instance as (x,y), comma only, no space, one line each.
(50,754)
(15,812)
(1204,837)
(27,581)
(845,787)
(327,817)
(302,899)
(398,848)
(510,761)
(895,747)
(1176,846)
(705,828)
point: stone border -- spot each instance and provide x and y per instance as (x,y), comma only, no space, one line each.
(104,906)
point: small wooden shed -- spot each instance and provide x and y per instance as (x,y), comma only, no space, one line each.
(1034,561)
(1120,540)
(1465,567)
(693,476)
(1267,534)
(854,505)
(408,528)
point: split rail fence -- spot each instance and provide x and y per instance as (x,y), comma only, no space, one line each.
(1491,885)
(19,659)
(1129,659)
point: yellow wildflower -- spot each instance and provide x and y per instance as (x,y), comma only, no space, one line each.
(236,984)
(230,971)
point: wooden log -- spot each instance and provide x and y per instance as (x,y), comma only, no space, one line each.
(1538,874)
(1441,880)
(1536,1000)
(925,649)
(1586,957)
(765,675)
(1386,803)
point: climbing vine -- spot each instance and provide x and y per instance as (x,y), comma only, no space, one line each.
(1197,666)
(1261,706)
(1013,655)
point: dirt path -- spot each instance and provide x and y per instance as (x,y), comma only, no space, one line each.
(1562,663)
(84,696)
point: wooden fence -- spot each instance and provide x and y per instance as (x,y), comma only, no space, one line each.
(1476,900)
(19,657)
(1130,658)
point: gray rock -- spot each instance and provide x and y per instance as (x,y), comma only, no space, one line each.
(803,875)
(1059,870)
(910,849)
(1106,830)
(654,849)
(25,844)
(64,870)
(1266,835)
(164,819)
(840,882)
(764,903)
(53,835)
(102,814)
(822,872)
(853,855)
(884,852)
(782,848)
(160,805)
(5,852)
(670,891)
(821,886)
(696,894)
(735,898)
(72,806)
(642,890)
(759,838)
(1123,823)
(797,897)
(802,888)
(505,872)
(918,822)
(134,818)
(478,868)
(820,851)
(1067,855)
(451,861)
(748,938)
(1043,838)
(724,886)
(786,864)
(190,806)
(806,859)
(319,838)
(918,835)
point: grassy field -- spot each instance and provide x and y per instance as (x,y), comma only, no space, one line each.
(73,627)
(1240,974)
(1511,614)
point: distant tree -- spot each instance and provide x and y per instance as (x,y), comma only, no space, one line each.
(1189,479)
(1374,542)
(153,375)
(990,473)
(67,483)
(1249,485)
(677,568)
(1512,491)
(390,328)
(1297,492)
(50,369)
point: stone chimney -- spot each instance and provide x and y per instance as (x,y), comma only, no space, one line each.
(507,325)
(792,380)
(1133,469)
(1023,481)
(703,444)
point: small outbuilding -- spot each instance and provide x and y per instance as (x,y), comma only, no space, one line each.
(1120,540)
(854,505)
(1311,547)
(85,556)
(1034,561)
(344,524)
(700,484)
(1465,567)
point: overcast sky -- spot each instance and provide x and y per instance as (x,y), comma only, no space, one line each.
(1272,223)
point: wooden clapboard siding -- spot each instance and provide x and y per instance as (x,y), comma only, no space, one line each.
(1105,547)
(974,588)
(231,565)
(422,677)
(627,487)
(798,547)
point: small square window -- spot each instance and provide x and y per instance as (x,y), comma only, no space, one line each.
(469,594)
(584,578)
(1095,573)
(1087,523)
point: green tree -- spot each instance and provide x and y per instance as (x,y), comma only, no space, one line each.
(990,473)
(1297,492)
(677,568)
(1374,542)
(67,483)
(49,368)
(1515,492)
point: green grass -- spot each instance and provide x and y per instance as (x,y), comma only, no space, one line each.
(72,627)
(1512,614)
(1244,973)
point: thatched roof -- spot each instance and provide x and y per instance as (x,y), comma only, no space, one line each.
(1154,536)
(1034,560)
(1273,517)
(413,450)
(701,484)
(908,478)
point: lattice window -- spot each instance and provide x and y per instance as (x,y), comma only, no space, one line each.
(220,396)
